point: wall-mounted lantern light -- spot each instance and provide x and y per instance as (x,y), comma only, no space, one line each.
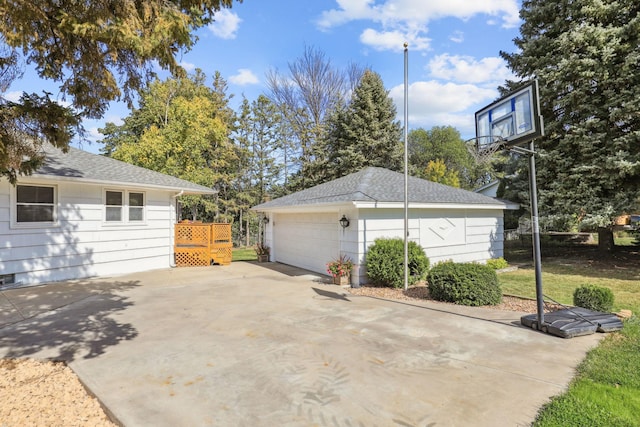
(344,221)
(265,219)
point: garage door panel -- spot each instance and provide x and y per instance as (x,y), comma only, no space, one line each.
(306,240)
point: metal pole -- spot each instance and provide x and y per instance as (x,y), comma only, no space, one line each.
(406,166)
(535,234)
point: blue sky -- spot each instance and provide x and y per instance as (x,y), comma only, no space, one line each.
(454,45)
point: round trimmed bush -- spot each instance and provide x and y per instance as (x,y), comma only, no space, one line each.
(464,284)
(593,297)
(385,263)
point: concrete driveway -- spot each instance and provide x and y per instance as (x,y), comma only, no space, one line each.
(270,345)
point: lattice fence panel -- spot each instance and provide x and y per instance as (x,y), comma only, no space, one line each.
(192,234)
(192,257)
(221,255)
(221,233)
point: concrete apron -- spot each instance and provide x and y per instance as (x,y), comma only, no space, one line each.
(265,344)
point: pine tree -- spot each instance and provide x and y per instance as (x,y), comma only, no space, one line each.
(365,132)
(586,56)
(99,51)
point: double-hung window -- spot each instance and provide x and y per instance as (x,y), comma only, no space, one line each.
(35,204)
(124,206)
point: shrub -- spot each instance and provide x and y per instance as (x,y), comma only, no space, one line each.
(497,263)
(385,263)
(593,297)
(465,284)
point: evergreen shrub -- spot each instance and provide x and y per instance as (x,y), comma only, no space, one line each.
(593,297)
(464,284)
(385,263)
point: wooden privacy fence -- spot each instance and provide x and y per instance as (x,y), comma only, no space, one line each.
(198,244)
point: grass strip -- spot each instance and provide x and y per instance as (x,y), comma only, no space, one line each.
(606,389)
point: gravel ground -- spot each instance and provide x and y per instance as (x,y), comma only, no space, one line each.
(46,394)
(34,393)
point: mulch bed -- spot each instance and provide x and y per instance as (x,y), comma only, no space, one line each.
(421,292)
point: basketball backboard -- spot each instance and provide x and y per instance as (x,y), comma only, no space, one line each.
(514,118)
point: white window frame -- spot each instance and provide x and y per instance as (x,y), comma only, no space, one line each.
(142,208)
(125,214)
(33,224)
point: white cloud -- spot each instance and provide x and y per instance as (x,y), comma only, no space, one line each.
(94,135)
(418,11)
(411,17)
(188,66)
(349,10)
(226,24)
(116,120)
(392,40)
(432,103)
(466,69)
(13,96)
(457,37)
(244,77)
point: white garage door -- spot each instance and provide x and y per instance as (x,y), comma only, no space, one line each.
(306,240)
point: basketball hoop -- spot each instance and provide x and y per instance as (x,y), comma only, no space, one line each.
(483,148)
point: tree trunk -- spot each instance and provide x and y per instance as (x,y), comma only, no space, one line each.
(605,239)
(248,243)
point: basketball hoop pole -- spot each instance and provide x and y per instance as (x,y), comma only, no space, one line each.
(535,234)
(510,122)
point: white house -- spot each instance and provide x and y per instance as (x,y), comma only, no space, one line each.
(490,189)
(304,228)
(83,215)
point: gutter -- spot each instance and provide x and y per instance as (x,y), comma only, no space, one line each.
(172,221)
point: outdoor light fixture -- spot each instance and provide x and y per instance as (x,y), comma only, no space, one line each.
(265,219)
(344,221)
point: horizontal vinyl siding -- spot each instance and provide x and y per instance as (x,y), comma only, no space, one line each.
(82,244)
(483,240)
(461,235)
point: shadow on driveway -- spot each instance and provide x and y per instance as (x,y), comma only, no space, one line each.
(64,321)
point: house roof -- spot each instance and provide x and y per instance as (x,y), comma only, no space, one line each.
(78,165)
(374,186)
(487,186)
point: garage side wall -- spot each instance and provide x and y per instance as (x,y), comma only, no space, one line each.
(81,243)
(461,235)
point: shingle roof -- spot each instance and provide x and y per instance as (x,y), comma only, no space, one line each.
(374,184)
(92,168)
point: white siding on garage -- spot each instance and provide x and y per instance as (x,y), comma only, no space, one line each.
(306,240)
(461,235)
(82,244)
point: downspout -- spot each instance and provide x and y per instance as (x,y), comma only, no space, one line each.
(172,221)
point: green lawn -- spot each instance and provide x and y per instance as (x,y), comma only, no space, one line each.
(559,280)
(244,254)
(606,389)
(569,267)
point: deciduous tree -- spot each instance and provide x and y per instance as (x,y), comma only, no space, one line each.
(306,96)
(437,171)
(182,129)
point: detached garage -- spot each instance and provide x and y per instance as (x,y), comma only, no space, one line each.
(309,228)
